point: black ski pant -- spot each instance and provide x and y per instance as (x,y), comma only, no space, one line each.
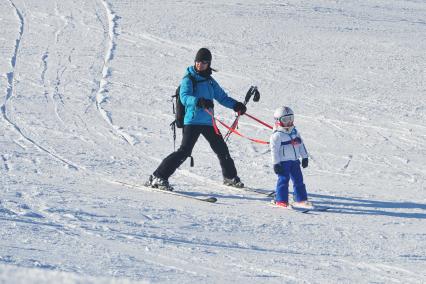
(190,136)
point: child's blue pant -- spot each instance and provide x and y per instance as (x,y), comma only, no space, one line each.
(291,171)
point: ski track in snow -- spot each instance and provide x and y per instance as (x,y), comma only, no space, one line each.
(129,36)
(55,97)
(102,92)
(64,20)
(5,163)
(44,58)
(10,91)
(11,75)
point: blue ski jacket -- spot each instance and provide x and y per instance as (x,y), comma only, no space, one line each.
(206,88)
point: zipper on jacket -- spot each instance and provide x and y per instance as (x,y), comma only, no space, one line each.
(294,149)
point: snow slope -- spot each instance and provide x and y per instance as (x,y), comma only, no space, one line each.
(84,99)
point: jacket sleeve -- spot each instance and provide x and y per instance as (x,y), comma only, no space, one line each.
(275,145)
(221,96)
(302,148)
(186,95)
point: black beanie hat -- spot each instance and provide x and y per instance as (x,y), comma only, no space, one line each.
(203,55)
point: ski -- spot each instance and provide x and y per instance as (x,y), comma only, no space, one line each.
(254,190)
(307,209)
(210,199)
(290,208)
(301,209)
(315,209)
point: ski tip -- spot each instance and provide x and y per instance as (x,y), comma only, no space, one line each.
(314,209)
(301,210)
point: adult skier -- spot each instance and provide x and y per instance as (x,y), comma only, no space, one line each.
(286,148)
(197,121)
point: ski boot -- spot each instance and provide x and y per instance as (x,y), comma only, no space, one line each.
(160,183)
(280,204)
(303,205)
(235,182)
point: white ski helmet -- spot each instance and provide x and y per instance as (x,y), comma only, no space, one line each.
(284,117)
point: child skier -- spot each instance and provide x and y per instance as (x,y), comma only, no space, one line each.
(286,148)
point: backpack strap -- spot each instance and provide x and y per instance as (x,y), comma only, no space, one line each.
(195,82)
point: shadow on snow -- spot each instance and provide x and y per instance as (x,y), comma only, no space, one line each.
(359,206)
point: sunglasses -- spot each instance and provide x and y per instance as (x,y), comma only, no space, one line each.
(204,61)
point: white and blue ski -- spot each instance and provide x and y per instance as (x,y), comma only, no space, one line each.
(301,209)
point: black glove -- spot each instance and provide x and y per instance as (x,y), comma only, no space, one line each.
(304,162)
(278,169)
(205,103)
(240,108)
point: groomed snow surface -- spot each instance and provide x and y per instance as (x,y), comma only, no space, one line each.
(85,105)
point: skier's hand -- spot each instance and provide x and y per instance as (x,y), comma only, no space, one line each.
(305,162)
(240,108)
(278,169)
(205,103)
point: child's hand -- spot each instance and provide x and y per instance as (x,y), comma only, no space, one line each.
(278,169)
(305,162)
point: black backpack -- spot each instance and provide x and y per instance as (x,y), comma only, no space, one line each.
(179,110)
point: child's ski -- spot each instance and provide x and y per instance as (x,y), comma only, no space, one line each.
(210,199)
(257,190)
(271,194)
(291,206)
(307,207)
(315,209)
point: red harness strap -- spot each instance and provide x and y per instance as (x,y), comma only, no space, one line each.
(233,130)
(216,130)
(258,120)
(238,133)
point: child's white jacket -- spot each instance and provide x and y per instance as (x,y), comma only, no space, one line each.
(286,146)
